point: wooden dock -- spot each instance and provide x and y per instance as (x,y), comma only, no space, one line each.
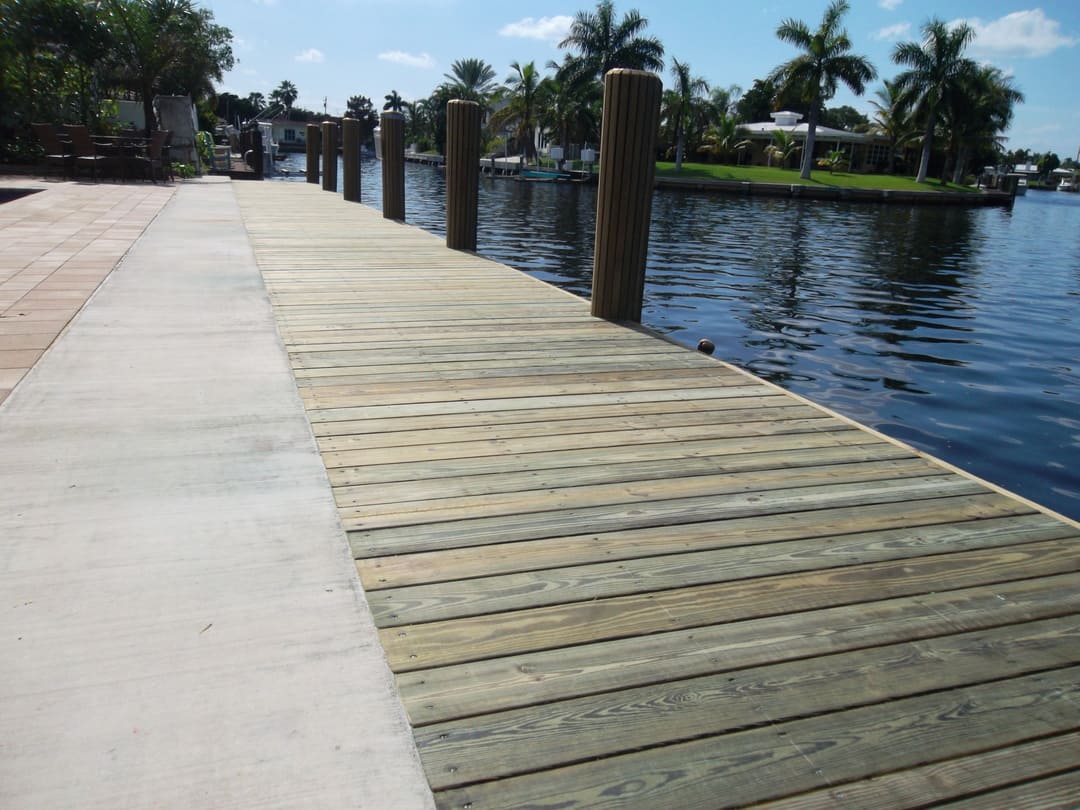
(612,572)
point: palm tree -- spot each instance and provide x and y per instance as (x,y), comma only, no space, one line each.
(722,139)
(285,94)
(602,43)
(257,101)
(825,61)
(976,116)
(892,119)
(687,92)
(394,102)
(784,145)
(471,80)
(935,68)
(571,107)
(522,92)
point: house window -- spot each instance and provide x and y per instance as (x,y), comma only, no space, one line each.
(878,155)
(290,135)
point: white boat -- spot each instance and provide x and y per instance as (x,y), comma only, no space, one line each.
(1067,180)
(1021,187)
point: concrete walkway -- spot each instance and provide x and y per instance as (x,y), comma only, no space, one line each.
(181,622)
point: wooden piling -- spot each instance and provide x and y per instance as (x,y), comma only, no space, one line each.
(329,156)
(462,173)
(392,126)
(314,145)
(350,158)
(624,194)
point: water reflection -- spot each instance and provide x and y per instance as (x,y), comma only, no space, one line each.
(950,328)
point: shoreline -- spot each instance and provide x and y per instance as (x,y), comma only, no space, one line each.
(836,193)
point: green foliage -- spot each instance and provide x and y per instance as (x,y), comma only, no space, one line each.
(363,110)
(59,59)
(602,42)
(835,160)
(182,170)
(204,145)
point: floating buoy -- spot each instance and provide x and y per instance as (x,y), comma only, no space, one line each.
(706,346)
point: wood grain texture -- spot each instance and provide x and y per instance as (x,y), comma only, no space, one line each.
(611,572)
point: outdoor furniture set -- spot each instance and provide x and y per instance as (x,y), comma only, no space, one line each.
(127,156)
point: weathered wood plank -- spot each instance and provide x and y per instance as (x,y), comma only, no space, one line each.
(374,516)
(802,755)
(643,470)
(513,528)
(957,778)
(506,743)
(537,555)
(420,646)
(496,594)
(530,679)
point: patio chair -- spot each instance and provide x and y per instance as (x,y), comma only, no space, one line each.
(86,153)
(56,152)
(156,154)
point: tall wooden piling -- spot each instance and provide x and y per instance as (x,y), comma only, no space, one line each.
(624,195)
(392,126)
(350,158)
(462,173)
(329,156)
(314,146)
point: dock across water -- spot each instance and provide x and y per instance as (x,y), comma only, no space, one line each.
(604,570)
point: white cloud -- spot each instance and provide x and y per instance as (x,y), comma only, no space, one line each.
(554,29)
(893,32)
(889,5)
(1022,33)
(423,60)
(310,55)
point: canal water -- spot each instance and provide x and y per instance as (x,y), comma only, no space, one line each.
(954,330)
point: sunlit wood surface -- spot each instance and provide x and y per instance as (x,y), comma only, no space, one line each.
(612,572)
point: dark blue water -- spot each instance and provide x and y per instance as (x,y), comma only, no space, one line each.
(954,330)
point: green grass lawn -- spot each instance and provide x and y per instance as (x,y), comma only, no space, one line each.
(820,177)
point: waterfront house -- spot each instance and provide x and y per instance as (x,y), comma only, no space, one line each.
(865,152)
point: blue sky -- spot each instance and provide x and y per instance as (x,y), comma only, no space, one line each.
(334,49)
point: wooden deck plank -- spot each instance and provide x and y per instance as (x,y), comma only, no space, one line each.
(1011,769)
(473,638)
(552,586)
(611,572)
(787,758)
(533,678)
(503,744)
(537,555)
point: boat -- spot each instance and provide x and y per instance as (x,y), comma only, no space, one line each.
(1067,180)
(544,175)
(1021,187)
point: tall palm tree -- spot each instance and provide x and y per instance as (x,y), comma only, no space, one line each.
(257,102)
(471,80)
(687,91)
(394,102)
(602,43)
(285,94)
(522,93)
(571,107)
(824,63)
(935,67)
(976,116)
(892,119)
